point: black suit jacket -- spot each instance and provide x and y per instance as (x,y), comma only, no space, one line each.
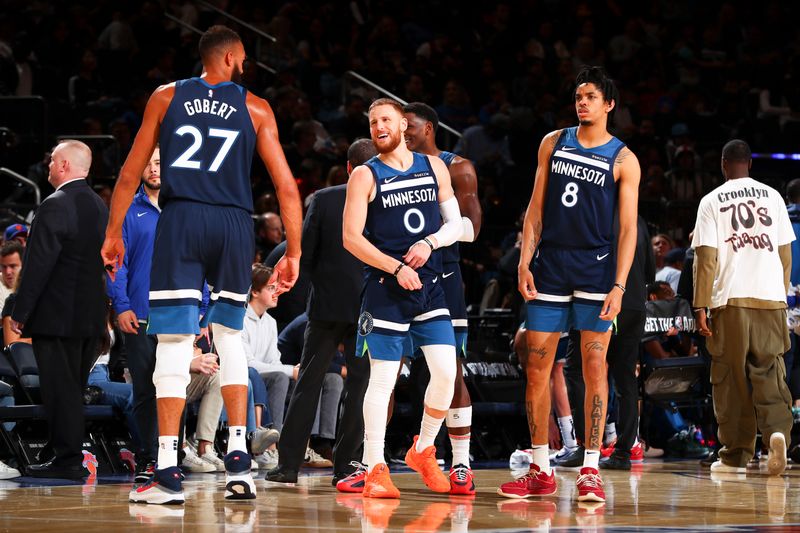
(336,276)
(62,292)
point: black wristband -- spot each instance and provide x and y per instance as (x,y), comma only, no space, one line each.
(429,243)
(620,286)
(399,268)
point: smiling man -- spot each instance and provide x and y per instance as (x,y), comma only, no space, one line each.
(401,198)
(584,176)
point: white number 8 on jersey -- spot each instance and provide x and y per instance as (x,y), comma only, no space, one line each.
(570,196)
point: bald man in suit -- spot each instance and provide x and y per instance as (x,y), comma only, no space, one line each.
(61,302)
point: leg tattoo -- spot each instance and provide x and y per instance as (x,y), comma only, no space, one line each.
(596,423)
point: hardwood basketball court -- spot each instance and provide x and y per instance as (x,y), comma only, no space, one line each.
(663,495)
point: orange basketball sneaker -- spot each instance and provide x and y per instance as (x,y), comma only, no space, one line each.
(379,484)
(424,462)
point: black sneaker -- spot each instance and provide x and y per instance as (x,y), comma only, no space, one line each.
(573,458)
(709,459)
(615,462)
(145,472)
(280,474)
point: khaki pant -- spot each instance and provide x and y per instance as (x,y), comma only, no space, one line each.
(749,378)
(206,389)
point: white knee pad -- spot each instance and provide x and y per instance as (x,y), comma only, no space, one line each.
(173,358)
(459,417)
(232,360)
(441,359)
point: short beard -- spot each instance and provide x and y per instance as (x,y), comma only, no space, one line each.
(152,187)
(395,142)
(585,122)
(236,75)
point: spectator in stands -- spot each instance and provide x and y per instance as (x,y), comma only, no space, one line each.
(260,340)
(671,271)
(10,264)
(353,124)
(793,207)
(106,374)
(16,232)
(204,387)
(61,302)
(293,303)
(487,146)
(270,234)
(673,343)
(661,245)
(129,293)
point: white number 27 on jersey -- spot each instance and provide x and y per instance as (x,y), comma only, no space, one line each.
(185,159)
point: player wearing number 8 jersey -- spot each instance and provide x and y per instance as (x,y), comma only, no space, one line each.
(400,208)
(584,175)
(207,128)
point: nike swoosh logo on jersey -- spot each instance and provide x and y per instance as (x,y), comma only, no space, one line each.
(389,180)
(141,214)
(445,276)
(435,279)
(568,148)
(601,257)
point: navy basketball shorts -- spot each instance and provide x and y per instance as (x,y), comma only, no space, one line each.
(453,286)
(572,285)
(197,243)
(395,321)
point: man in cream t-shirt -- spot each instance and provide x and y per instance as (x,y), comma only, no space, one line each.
(741,273)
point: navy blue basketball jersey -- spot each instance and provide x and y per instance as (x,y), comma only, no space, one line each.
(207,141)
(450,254)
(405,209)
(581,196)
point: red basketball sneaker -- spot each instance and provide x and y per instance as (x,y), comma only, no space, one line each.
(534,483)
(590,486)
(637,453)
(462,480)
(355,481)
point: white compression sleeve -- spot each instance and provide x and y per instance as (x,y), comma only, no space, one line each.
(382,377)
(173,358)
(232,360)
(441,359)
(452,227)
(467,230)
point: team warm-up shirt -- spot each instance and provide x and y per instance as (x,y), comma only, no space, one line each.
(581,196)
(405,210)
(207,141)
(746,221)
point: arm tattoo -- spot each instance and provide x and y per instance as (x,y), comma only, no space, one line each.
(597,412)
(531,419)
(552,139)
(537,233)
(594,346)
(541,352)
(622,156)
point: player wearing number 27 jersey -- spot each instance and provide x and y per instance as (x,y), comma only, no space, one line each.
(207,129)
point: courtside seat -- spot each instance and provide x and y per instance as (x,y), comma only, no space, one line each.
(21,355)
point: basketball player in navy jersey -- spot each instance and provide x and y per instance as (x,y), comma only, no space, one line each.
(400,208)
(208,128)
(421,137)
(584,175)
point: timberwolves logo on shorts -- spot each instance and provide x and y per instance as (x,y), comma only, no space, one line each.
(364,324)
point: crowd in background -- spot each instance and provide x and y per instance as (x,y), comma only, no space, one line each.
(501,74)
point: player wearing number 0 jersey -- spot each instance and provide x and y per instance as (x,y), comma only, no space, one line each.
(421,137)
(207,128)
(400,208)
(578,276)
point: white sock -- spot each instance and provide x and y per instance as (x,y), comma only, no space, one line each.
(460,444)
(237,438)
(428,430)
(167,452)
(567,427)
(610,433)
(591,459)
(541,457)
